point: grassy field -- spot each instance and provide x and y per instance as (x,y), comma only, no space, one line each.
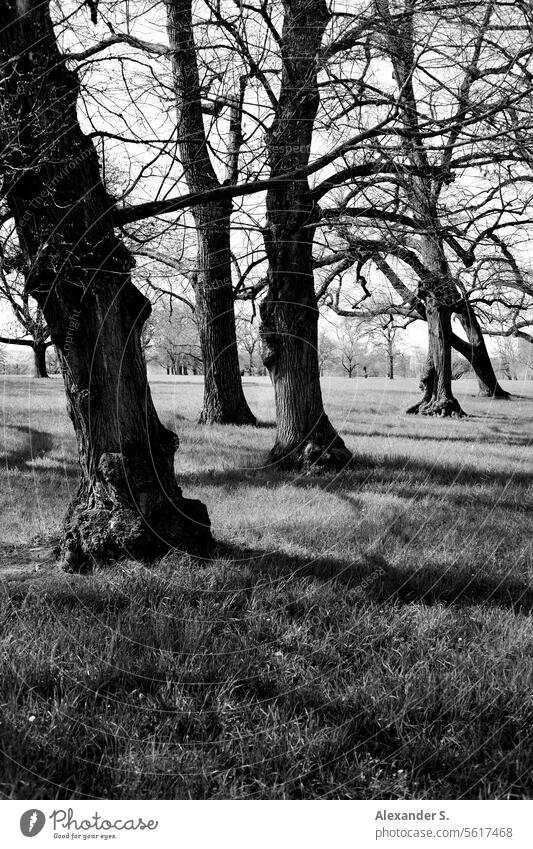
(367,635)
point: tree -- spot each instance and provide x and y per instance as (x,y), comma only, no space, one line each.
(249,341)
(289,314)
(174,342)
(470,117)
(327,350)
(349,345)
(224,401)
(28,316)
(382,331)
(507,355)
(128,502)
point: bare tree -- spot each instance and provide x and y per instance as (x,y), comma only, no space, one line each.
(174,342)
(249,341)
(289,313)
(418,192)
(327,351)
(350,345)
(128,501)
(224,400)
(382,332)
(28,315)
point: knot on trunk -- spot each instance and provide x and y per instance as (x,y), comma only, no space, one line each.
(113,468)
(97,536)
(317,457)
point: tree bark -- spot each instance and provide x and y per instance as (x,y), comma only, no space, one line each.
(224,401)
(128,502)
(289,316)
(39,360)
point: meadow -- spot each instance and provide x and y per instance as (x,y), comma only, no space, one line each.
(362,635)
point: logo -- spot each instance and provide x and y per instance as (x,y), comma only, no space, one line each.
(32,822)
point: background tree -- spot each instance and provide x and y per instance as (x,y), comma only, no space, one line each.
(27,314)
(382,332)
(418,202)
(249,342)
(327,351)
(350,346)
(175,343)
(224,400)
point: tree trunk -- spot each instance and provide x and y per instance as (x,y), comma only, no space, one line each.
(426,385)
(390,370)
(128,502)
(475,351)
(436,380)
(224,401)
(39,360)
(440,299)
(437,290)
(289,330)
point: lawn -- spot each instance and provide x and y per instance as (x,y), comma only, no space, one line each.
(365,635)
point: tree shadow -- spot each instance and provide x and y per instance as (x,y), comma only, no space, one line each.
(363,470)
(39,444)
(401,476)
(442,437)
(50,770)
(380,582)
(370,574)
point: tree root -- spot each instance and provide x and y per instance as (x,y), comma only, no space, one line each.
(97,536)
(444,408)
(312,457)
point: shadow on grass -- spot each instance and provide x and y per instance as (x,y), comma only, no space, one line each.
(364,471)
(380,582)
(370,575)
(39,444)
(51,771)
(440,437)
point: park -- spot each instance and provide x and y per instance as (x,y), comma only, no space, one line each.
(266,353)
(363,635)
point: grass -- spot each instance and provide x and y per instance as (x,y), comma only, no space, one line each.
(367,635)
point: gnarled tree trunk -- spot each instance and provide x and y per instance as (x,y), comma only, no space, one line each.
(224,401)
(128,502)
(440,300)
(305,437)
